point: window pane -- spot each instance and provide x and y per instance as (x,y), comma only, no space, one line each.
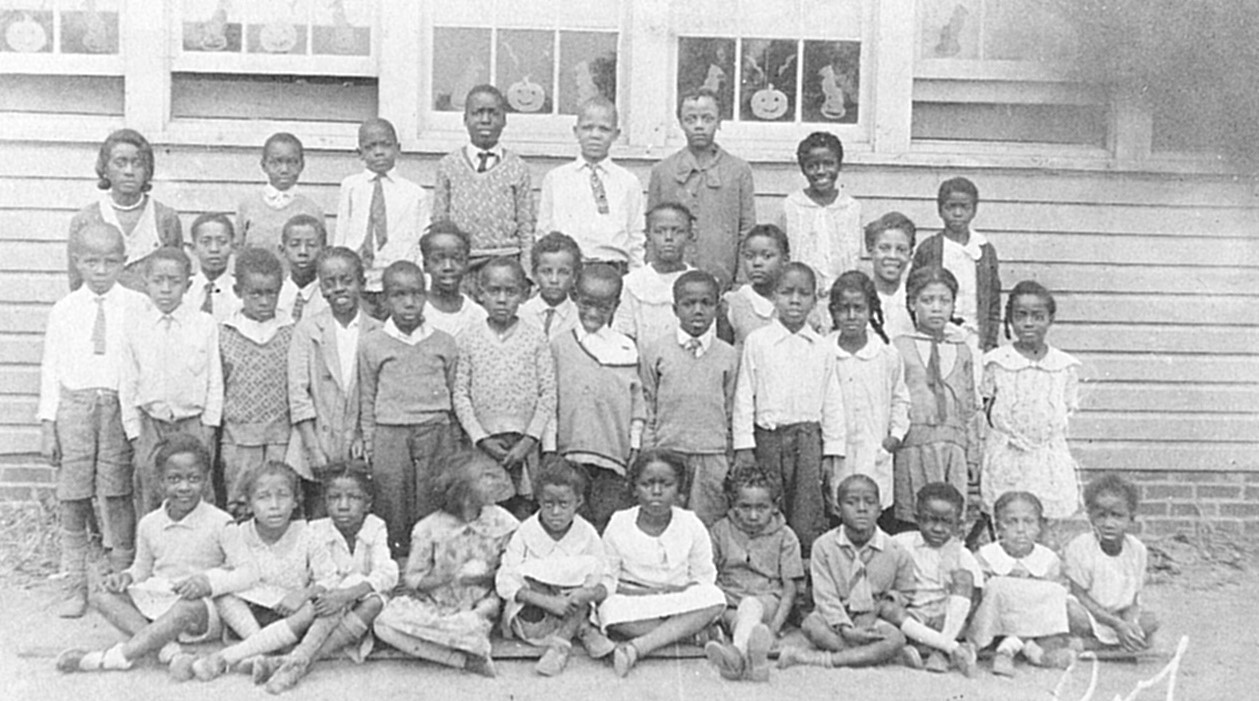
(27,32)
(1024,30)
(949,28)
(342,28)
(209,26)
(525,69)
(461,61)
(707,62)
(832,71)
(587,68)
(89,32)
(769,80)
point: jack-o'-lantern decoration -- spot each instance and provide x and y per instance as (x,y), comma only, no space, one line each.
(526,96)
(26,35)
(769,103)
(277,37)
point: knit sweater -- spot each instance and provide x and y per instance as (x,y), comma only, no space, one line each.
(255,382)
(597,402)
(504,385)
(404,385)
(689,399)
(260,225)
(494,207)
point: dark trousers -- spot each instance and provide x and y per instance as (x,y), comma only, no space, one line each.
(606,493)
(406,461)
(792,456)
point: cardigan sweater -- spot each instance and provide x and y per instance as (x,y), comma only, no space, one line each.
(987,285)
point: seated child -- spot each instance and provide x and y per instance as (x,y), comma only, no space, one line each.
(364,575)
(1106,570)
(890,242)
(554,572)
(856,571)
(765,252)
(254,344)
(646,309)
(447,606)
(593,199)
(164,597)
(302,239)
(689,378)
(946,576)
(759,569)
(290,569)
(662,560)
(213,287)
(261,216)
(1024,598)
(556,263)
(504,391)
(445,248)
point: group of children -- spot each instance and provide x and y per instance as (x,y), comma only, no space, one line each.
(635,455)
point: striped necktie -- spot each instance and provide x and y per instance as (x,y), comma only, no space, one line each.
(377,224)
(596,187)
(98,328)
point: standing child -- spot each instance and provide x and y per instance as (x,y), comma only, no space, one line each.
(857,571)
(890,241)
(448,605)
(555,572)
(689,378)
(600,411)
(323,387)
(254,344)
(940,445)
(505,383)
(872,379)
(124,168)
(1030,390)
(662,559)
(80,415)
(1106,570)
(646,309)
(164,597)
(483,188)
(1025,598)
(556,263)
(714,185)
(970,257)
(594,200)
(364,574)
(406,374)
(789,408)
(759,569)
(290,569)
(751,306)
(261,216)
(447,308)
(213,287)
(172,374)
(823,221)
(946,577)
(302,239)
(380,214)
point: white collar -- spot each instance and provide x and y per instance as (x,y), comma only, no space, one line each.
(878,541)
(418,334)
(1010,359)
(390,175)
(278,199)
(259,332)
(472,150)
(870,351)
(607,346)
(974,243)
(705,339)
(782,332)
(306,292)
(354,325)
(763,307)
(598,166)
(802,199)
(1038,562)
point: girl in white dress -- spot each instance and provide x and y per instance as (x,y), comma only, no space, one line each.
(662,559)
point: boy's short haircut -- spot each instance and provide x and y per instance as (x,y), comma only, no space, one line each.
(258,261)
(770,231)
(558,472)
(381,123)
(511,263)
(958,184)
(444,226)
(344,254)
(555,242)
(672,207)
(310,220)
(888,222)
(78,239)
(820,139)
(124,136)
(283,137)
(842,490)
(696,277)
(1111,483)
(600,272)
(796,266)
(484,89)
(168,253)
(182,444)
(356,470)
(696,94)
(599,102)
(220,218)
(400,267)
(941,491)
(748,477)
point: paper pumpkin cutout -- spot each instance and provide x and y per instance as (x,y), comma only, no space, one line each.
(26,35)
(526,95)
(769,103)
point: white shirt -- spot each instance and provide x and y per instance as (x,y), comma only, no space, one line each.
(787,378)
(934,568)
(827,238)
(406,214)
(171,368)
(896,319)
(313,296)
(347,348)
(876,405)
(259,332)
(469,314)
(705,339)
(567,204)
(474,152)
(369,562)
(278,199)
(225,303)
(69,359)
(608,346)
(960,260)
(417,334)
(533,311)
(646,309)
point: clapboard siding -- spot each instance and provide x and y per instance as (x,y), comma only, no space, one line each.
(1156,278)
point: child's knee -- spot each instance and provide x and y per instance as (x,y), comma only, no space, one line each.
(368,609)
(815,628)
(1078,620)
(892,636)
(751,608)
(1149,622)
(892,612)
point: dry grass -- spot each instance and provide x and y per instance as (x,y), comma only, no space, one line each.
(28,542)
